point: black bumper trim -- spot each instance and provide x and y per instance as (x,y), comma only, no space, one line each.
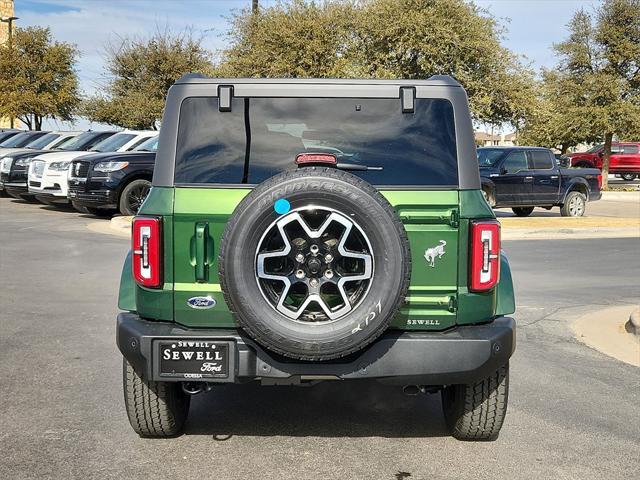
(461,355)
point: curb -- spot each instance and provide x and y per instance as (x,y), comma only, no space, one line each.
(633,324)
(121,223)
(621,196)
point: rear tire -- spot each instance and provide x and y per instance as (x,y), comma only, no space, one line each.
(574,205)
(476,411)
(488,196)
(522,211)
(629,177)
(155,409)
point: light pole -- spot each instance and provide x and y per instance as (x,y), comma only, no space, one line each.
(10,21)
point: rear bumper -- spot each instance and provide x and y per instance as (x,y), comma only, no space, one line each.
(461,355)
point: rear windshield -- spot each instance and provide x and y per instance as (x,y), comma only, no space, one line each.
(261,137)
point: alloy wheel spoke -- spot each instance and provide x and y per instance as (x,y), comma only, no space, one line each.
(312,269)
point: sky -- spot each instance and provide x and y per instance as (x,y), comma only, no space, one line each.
(532,25)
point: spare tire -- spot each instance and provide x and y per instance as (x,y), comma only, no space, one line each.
(314,263)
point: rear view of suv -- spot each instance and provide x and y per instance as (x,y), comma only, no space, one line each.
(313,230)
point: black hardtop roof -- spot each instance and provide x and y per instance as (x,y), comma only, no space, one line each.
(435,80)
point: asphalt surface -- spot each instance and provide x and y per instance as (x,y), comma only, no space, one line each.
(573,412)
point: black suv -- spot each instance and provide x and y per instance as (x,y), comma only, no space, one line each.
(113,181)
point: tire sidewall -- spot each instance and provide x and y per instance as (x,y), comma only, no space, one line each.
(301,339)
(124,204)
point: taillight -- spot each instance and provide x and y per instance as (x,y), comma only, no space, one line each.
(484,268)
(147,251)
(316,159)
(600,180)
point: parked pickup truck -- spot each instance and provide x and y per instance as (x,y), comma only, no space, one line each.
(624,160)
(527,177)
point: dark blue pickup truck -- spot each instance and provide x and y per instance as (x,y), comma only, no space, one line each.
(526,177)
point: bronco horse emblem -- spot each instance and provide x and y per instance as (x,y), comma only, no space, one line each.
(430,254)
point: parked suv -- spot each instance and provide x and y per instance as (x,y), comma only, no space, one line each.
(48,174)
(113,181)
(624,159)
(14,162)
(307,230)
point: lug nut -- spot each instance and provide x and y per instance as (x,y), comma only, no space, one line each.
(299,273)
(314,249)
(328,274)
(299,258)
(313,282)
(328,258)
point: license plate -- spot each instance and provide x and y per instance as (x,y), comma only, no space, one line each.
(194,359)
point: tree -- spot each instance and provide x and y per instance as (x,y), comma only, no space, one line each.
(412,39)
(37,78)
(294,39)
(598,74)
(140,72)
(554,121)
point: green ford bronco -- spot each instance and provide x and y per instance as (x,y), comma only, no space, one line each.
(307,230)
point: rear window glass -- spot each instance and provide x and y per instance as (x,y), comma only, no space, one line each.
(261,137)
(630,149)
(540,159)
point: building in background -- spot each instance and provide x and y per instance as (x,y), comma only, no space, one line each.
(484,139)
(6,12)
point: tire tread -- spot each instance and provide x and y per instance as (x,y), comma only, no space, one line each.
(478,410)
(155,409)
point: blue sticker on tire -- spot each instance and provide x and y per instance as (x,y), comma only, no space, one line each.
(282,206)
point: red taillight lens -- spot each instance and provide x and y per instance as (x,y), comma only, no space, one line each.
(316,158)
(600,180)
(484,268)
(147,251)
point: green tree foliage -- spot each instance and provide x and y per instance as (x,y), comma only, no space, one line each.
(140,71)
(37,78)
(594,93)
(412,39)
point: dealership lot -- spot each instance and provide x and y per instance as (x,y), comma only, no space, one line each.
(573,412)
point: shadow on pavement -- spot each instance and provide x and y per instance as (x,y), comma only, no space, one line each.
(329,409)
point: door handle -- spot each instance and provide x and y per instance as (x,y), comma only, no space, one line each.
(545,182)
(528,179)
(553,177)
(201,251)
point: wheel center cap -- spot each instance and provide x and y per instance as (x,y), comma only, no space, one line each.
(314,265)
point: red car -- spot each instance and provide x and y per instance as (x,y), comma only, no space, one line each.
(625,159)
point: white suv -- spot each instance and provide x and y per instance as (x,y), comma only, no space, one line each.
(48,172)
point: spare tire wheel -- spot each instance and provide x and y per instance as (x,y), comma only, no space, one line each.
(314,263)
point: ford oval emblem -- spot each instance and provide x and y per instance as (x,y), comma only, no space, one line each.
(201,303)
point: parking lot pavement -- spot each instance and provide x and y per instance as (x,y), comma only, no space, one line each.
(573,413)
